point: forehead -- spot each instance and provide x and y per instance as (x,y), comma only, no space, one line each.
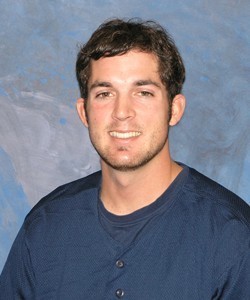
(132,63)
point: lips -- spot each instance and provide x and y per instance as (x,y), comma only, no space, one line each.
(124,135)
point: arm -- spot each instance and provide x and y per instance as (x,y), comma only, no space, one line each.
(17,280)
(234,283)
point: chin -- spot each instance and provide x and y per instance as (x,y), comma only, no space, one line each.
(126,166)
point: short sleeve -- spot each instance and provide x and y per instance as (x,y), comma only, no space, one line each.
(17,280)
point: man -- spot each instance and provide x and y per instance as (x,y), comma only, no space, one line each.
(145,226)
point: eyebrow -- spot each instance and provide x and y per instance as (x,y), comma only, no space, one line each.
(97,83)
(147,82)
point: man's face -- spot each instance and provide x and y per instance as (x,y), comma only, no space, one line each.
(127,110)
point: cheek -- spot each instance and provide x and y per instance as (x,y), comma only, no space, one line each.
(162,124)
(94,117)
(98,113)
(159,115)
(97,123)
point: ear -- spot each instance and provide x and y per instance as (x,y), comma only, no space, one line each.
(178,108)
(81,111)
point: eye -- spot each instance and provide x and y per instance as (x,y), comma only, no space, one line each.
(103,95)
(146,94)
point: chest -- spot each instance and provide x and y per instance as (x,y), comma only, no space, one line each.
(162,263)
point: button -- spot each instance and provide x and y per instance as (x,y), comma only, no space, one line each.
(119,263)
(119,293)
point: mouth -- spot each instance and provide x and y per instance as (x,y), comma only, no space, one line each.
(124,135)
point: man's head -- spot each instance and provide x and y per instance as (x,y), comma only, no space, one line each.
(130,76)
(117,37)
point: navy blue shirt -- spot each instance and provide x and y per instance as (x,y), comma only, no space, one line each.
(126,228)
(197,247)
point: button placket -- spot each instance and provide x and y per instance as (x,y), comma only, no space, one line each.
(119,292)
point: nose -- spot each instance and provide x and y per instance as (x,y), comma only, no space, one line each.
(123,108)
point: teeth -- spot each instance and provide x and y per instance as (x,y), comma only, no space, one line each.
(124,135)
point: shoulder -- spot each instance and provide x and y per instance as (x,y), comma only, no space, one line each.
(220,219)
(67,196)
(213,198)
(218,215)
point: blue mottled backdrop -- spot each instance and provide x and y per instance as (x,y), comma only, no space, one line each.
(42,142)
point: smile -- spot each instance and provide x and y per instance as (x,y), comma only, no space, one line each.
(124,135)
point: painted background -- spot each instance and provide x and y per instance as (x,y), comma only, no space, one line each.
(42,142)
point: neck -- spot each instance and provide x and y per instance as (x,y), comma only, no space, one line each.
(125,192)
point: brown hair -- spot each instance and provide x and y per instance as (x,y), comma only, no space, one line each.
(117,37)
